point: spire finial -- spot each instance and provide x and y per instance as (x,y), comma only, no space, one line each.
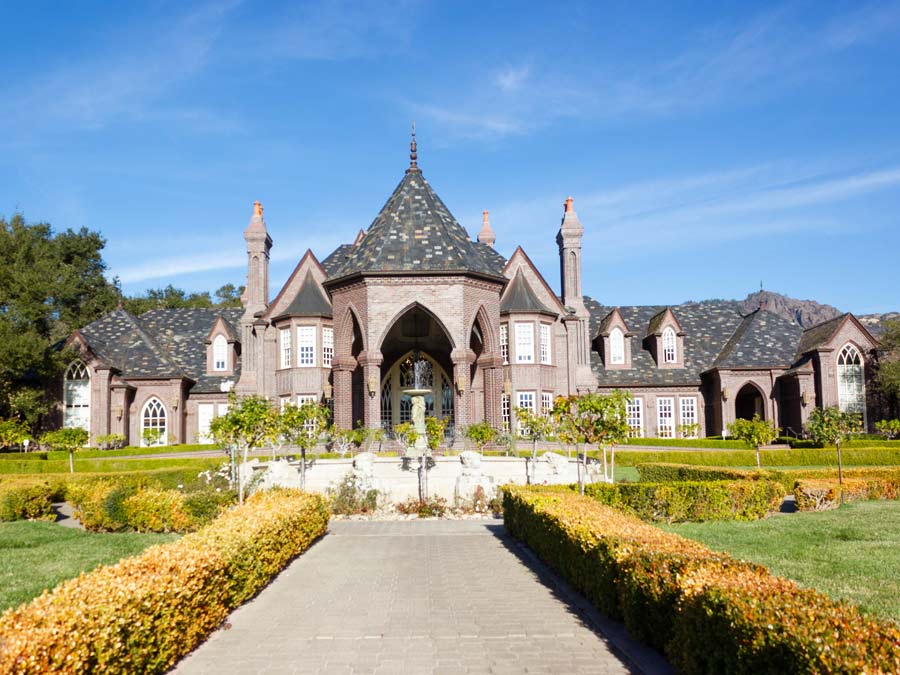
(413,155)
(569,207)
(257,208)
(486,236)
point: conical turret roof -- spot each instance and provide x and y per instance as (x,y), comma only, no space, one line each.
(416,233)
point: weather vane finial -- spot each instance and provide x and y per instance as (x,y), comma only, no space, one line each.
(413,166)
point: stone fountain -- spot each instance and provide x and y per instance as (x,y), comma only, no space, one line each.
(421,375)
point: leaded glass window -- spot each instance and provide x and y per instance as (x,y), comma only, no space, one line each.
(77,397)
(851,381)
(670,354)
(616,347)
(154,427)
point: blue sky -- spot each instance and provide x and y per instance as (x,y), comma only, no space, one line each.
(708,146)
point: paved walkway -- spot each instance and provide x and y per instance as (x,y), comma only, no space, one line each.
(409,597)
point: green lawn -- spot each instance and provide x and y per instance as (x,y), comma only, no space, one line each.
(35,556)
(851,553)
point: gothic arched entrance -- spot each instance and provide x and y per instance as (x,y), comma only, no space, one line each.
(396,406)
(749,402)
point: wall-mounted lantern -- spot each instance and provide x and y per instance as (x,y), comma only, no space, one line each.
(119,412)
(507,387)
(804,399)
(724,393)
(461,382)
(373,386)
(326,390)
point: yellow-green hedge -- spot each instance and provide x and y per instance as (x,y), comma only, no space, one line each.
(819,494)
(707,611)
(144,613)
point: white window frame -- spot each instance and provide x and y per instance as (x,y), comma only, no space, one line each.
(545,343)
(327,346)
(634,414)
(504,343)
(525,400)
(851,394)
(687,408)
(306,346)
(546,402)
(505,412)
(665,430)
(157,404)
(206,413)
(524,331)
(670,345)
(220,353)
(303,399)
(285,342)
(616,347)
(77,397)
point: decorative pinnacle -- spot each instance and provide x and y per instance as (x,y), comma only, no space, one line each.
(484,219)
(486,236)
(257,209)
(413,155)
(569,207)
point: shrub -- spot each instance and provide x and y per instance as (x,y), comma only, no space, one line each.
(691,501)
(817,494)
(433,507)
(709,612)
(152,510)
(27,502)
(205,506)
(350,497)
(874,456)
(110,442)
(99,504)
(159,605)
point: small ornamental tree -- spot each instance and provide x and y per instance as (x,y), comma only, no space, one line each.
(831,426)
(341,439)
(66,440)
(434,432)
(406,435)
(246,425)
(13,432)
(890,428)
(481,434)
(310,421)
(537,427)
(756,432)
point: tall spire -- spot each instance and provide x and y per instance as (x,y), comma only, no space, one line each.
(486,236)
(413,166)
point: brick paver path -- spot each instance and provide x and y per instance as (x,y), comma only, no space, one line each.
(408,597)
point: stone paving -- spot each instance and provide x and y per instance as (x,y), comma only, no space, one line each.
(409,597)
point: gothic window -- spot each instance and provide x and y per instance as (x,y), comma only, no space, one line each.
(387,415)
(306,346)
(851,384)
(504,343)
(545,343)
(524,343)
(286,348)
(665,416)
(220,353)
(77,397)
(446,400)
(634,414)
(616,347)
(154,429)
(670,355)
(327,346)
(405,408)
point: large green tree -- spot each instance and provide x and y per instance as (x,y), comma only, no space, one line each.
(50,283)
(171,297)
(889,363)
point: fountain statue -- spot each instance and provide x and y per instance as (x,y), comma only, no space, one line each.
(421,376)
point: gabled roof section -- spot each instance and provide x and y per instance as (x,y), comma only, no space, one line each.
(310,300)
(818,335)
(221,324)
(520,297)
(762,340)
(519,256)
(308,265)
(610,320)
(655,324)
(415,233)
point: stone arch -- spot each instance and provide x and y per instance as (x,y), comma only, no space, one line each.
(488,330)
(399,315)
(750,399)
(345,337)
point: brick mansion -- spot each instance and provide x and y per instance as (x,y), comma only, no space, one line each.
(345,329)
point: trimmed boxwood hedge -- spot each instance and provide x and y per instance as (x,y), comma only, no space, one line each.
(691,501)
(707,611)
(157,606)
(819,494)
(770,458)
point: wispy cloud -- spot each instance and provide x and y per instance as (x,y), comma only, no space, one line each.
(725,65)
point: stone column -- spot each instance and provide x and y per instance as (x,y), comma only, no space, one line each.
(493,387)
(371,364)
(342,368)
(462,360)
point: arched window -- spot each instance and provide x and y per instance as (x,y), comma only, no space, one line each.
(851,383)
(616,346)
(154,430)
(220,353)
(77,392)
(670,355)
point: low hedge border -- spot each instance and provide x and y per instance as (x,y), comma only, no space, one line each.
(707,611)
(820,494)
(769,458)
(159,605)
(690,501)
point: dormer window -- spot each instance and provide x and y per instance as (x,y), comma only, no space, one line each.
(220,353)
(616,347)
(670,352)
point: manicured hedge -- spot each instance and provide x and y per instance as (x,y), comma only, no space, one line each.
(691,501)
(93,465)
(27,502)
(144,613)
(819,494)
(707,611)
(770,458)
(718,443)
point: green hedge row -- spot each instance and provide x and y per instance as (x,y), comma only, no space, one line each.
(144,613)
(688,501)
(93,465)
(769,458)
(819,494)
(707,611)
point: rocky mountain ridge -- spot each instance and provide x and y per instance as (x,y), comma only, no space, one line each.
(807,313)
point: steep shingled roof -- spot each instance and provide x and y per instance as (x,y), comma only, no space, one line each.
(415,232)
(160,343)
(819,334)
(520,297)
(763,340)
(309,301)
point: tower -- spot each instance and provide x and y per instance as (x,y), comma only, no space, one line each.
(577,319)
(255,301)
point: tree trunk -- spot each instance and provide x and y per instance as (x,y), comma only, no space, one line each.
(303,468)
(240,479)
(758,465)
(578,459)
(533,460)
(71,462)
(840,472)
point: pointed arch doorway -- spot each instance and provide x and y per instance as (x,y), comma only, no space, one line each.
(396,405)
